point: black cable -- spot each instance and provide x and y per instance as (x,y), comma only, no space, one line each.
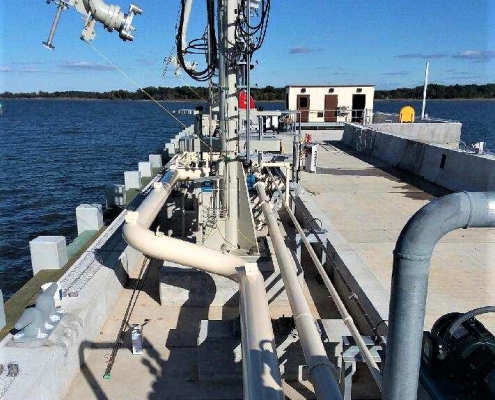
(252,35)
(127,316)
(199,46)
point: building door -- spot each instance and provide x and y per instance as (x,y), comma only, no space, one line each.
(303,107)
(331,104)
(358,106)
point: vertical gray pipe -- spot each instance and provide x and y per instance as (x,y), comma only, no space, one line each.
(412,256)
(296,149)
(319,366)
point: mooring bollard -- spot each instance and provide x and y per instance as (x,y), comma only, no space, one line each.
(48,252)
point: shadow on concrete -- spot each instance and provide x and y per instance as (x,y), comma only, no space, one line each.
(394,174)
(175,374)
(179,375)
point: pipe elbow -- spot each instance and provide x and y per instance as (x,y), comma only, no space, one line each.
(179,251)
(427,226)
(454,211)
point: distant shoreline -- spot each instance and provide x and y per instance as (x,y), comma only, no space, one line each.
(88,99)
(457,99)
(202,101)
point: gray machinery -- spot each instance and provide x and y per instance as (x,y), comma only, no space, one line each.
(458,358)
(110,16)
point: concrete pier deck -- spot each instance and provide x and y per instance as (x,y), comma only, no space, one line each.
(369,202)
(169,367)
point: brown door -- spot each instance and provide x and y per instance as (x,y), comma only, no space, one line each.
(331,104)
(303,107)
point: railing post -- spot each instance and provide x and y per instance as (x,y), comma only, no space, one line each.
(3,321)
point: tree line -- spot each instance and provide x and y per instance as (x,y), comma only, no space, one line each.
(267,93)
(435,91)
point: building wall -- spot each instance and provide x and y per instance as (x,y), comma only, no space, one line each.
(317,98)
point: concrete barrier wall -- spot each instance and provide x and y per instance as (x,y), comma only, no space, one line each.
(47,371)
(450,168)
(445,133)
(353,275)
(98,279)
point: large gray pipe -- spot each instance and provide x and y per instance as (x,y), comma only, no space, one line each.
(410,273)
(319,365)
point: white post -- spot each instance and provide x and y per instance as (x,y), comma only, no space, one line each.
(424,91)
(3,320)
(48,252)
(132,180)
(89,217)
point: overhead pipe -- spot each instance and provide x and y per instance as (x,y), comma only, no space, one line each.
(411,267)
(111,16)
(319,366)
(187,14)
(108,14)
(346,317)
(261,370)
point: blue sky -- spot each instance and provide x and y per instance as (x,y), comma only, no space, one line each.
(379,42)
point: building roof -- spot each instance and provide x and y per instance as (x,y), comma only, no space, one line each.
(326,86)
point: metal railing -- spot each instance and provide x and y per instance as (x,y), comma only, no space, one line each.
(338,115)
(382,117)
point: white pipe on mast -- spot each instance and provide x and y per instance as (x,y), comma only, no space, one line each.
(248,85)
(232,180)
(424,91)
(185,24)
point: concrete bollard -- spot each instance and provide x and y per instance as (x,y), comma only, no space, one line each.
(89,217)
(3,320)
(132,180)
(145,168)
(115,195)
(48,252)
(156,160)
(169,149)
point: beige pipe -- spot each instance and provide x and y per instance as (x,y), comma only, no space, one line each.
(178,251)
(346,317)
(259,353)
(137,234)
(261,372)
(320,368)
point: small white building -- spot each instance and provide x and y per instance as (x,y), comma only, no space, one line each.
(331,103)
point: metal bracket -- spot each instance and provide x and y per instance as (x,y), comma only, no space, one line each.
(349,360)
(312,238)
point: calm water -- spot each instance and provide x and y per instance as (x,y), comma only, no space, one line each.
(56,155)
